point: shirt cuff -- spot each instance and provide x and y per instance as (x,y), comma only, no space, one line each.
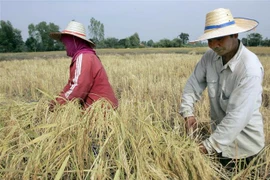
(214,145)
(185,114)
(210,148)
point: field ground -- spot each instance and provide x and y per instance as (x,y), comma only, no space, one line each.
(143,139)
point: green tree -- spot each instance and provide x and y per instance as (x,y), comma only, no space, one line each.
(245,41)
(18,41)
(254,39)
(124,43)
(266,42)
(150,43)
(176,42)
(184,38)
(165,43)
(134,40)
(10,38)
(96,30)
(53,45)
(39,39)
(31,44)
(111,42)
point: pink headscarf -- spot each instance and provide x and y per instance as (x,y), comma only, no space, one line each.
(75,45)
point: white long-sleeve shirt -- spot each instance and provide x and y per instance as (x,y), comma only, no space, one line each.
(235,93)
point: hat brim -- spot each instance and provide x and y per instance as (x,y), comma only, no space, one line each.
(241,25)
(57,36)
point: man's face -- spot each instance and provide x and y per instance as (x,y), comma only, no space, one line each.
(223,45)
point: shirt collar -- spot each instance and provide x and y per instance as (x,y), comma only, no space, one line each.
(235,59)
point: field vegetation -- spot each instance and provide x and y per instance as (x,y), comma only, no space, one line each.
(143,139)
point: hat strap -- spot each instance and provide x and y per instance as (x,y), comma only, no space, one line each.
(219,26)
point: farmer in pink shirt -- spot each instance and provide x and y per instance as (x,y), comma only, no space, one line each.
(88,81)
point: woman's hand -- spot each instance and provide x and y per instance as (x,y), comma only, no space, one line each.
(52,105)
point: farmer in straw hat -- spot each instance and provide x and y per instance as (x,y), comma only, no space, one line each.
(88,81)
(233,76)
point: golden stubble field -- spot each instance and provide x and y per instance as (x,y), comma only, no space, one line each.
(143,139)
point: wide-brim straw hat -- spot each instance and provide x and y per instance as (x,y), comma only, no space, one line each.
(220,22)
(73,28)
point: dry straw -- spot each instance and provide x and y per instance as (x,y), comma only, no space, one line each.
(143,139)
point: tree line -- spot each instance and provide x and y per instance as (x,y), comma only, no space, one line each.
(39,40)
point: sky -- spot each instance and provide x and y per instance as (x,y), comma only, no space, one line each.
(151,19)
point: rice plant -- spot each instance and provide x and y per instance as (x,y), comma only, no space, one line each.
(143,139)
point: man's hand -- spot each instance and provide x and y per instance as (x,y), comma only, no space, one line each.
(203,149)
(190,124)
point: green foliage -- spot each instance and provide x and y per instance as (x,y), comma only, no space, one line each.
(176,42)
(164,43)
(266,42)
(134,40)
(10,38)
(184,37)
(110,42)
(254,39)
(124,43)
(39,39)
(96,30)
(150,43)
(244,41)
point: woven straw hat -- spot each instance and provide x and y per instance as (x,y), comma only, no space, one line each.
(220,22)
(73,28)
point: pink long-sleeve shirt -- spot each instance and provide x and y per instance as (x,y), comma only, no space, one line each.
(88,81)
